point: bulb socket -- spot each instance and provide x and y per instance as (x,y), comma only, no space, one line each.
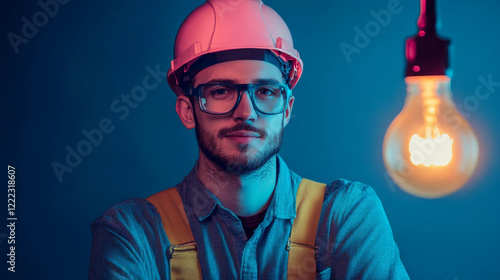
(426,54)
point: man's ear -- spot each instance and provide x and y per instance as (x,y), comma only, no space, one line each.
(288,111)
(184,109)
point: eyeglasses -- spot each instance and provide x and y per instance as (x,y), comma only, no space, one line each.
(223,98)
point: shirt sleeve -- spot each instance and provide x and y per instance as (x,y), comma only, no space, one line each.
(125,245)
(363,245)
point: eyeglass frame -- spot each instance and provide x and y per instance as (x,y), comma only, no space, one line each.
(196,91)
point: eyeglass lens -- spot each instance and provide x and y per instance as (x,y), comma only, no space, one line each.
(221,98)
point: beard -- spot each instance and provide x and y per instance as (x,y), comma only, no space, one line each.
(210,146)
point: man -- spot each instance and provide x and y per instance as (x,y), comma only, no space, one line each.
(233,70)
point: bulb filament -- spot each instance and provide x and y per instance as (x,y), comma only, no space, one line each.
(435,148)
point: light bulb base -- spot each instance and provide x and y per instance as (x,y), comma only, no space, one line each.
(426,52)
(427,55)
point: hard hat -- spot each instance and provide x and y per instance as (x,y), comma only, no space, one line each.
(224,30)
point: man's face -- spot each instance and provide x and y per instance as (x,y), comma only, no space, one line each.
(243,140)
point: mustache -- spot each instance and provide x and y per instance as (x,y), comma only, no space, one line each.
(243,126)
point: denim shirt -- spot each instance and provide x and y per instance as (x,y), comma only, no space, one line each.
(354,237)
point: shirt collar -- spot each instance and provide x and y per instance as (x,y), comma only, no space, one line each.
(203,202)
(200,200)
(283,202)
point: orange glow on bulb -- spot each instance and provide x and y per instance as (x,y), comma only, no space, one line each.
(430,150)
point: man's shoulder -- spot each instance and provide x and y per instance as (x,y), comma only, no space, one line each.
(128,229)
(342,187)
(342,196)
(346,199)
(348,188)
(127,213)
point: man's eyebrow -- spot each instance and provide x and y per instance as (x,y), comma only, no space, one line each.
(266,81)
(227,81)
(254,81)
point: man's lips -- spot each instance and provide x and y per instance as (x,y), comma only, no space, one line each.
(243,136)
(243,133)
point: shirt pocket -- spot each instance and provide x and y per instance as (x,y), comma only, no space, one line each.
(325,274)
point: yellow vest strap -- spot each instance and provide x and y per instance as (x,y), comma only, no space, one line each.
(183,251)
(301,244)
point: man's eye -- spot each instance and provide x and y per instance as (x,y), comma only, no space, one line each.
(219,92)
(265,92)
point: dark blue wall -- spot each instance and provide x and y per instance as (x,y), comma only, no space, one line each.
(66,77)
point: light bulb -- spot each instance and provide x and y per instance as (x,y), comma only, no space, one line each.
(430,150)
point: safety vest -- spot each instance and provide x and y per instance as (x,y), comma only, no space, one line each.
(183,251)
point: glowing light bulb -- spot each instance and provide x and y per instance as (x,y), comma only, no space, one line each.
(430,150)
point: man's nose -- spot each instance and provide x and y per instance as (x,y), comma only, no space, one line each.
(245,110)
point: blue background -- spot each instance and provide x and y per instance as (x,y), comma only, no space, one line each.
(65,78)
